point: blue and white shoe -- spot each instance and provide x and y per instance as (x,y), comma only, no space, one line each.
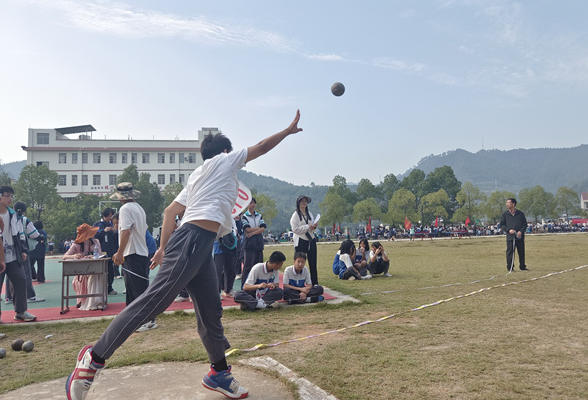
(79,382)
(223,382)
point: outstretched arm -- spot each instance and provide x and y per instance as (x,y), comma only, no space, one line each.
(270,142)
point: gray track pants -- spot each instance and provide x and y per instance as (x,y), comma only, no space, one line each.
(187,263)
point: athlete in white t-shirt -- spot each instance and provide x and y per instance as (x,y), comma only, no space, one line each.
(185,260)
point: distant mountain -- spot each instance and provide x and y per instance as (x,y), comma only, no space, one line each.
(284,194)
(514,170)
(13,169)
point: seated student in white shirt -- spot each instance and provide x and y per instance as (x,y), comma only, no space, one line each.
(379,263)
(262,287)
(298,284)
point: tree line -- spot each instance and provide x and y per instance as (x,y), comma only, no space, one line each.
(418,197)
(439,194)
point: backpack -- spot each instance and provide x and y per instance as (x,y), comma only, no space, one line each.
(336,265)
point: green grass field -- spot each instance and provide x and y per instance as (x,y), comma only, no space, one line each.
(518,341)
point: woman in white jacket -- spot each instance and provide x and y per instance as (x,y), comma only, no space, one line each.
(304,239)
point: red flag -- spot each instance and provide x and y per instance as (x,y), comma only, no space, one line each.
(369,225)
(339,228)
(407,223)
(436,222)
(467,221)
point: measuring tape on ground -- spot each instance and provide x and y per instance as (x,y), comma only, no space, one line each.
(262,346)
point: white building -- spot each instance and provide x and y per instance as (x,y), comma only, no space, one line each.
(91,166)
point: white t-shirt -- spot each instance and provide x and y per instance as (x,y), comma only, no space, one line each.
(299,280)
(259,274)
(212,190)
(132,216)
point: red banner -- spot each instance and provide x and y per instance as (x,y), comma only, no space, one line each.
(407,223)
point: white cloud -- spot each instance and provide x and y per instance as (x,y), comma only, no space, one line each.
(325,57)
(120,19)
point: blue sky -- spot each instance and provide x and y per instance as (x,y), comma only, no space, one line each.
(421,77)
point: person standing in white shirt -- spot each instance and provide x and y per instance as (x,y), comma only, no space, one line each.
(132,248)
(185,260)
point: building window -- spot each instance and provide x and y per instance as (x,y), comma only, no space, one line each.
(145,158)
(84,158)
(96,157)
(62,158)
(172,178)
(74,180)
(112,180)
(95,180)
(181,158)
(74,158)
(62,180)
(112,158)
(161,158)
(45,163)
(84,180)
(191,158)
(123,157)
(42,138)
(133,158)
(182,179)
(172,158)
(161,179)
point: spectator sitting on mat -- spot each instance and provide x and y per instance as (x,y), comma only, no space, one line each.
(262,288)
(297,283)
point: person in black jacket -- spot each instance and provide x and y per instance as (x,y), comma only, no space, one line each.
(37,254)
(108,238)
(514,223)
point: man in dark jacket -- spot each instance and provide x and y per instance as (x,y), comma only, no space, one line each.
(514,223)
(37,253)
(108,243)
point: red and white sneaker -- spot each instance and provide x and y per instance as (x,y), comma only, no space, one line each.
(79,382)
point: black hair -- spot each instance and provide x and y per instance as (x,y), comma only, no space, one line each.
(299,211)
(253,200)
(107,212)
(20,207)
(347,247)
(367,244)
(512,200)
(377,245)
(38,224)
(299,254)
(213,145)
(115,216)
(277,257)
(6,189)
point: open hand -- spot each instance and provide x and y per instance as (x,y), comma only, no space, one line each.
(293,128)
